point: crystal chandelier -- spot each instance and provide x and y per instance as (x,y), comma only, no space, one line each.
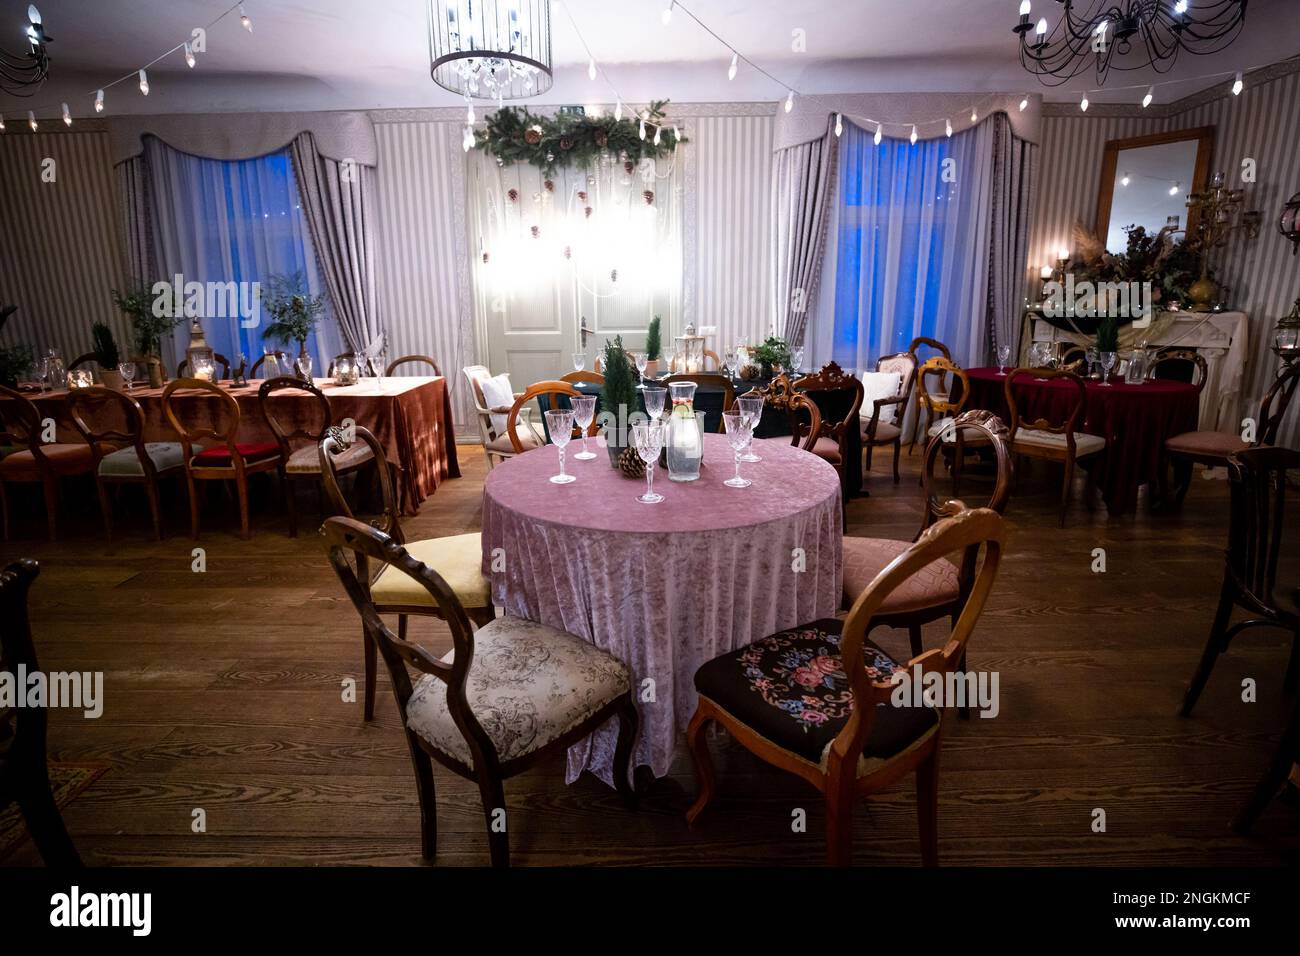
(496,49)
(23,75)
(1126,35)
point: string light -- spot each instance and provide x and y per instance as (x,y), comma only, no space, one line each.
(189,56)
(947,124)
(1024,103)
(1237,85)
(31,120)
(144,83)
(591,69)
(1173,190)
(668,13)
(735,63)
(879,135)
(789,102)
(973,115)
(67,115)
(839,124)
(641,128)
(658,131)
(912,138)
(618,110)
(1125,180)
(2,124)
(99,101)
(243,19)
(469,112)
(1151,95)
(1083,103)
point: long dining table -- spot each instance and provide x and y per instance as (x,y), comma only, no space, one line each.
(411,416)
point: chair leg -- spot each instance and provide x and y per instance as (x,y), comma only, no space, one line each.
(371,657)
(194,504)
(494,799)
(241,488)
(1162,479)
(45,824)
(898,447)
(705,778)
(914,635)
(1183,477)
(927,807)
(106,509)
(839,817)
(867,466)
(1213,647)
(51,488)
(1066,488)
(1283,759)
(155,508)
(290,503)
(628,722)
(427,793)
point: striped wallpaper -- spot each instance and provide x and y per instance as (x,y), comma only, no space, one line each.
(1262,123)
(61,254)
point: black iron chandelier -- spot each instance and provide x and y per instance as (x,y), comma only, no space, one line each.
(22,75)
(1126,35)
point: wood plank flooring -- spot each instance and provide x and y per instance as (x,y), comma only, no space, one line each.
(223,693)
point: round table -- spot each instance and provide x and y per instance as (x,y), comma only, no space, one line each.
(664,587)
(1135,420)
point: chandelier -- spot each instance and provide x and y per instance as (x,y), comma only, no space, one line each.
(497,49)
(22,75)
(1126,35)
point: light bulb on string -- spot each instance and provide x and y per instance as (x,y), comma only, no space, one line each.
(947,127)
(973,115)
(99,101)
(1150,95)
(667,14)
(1083,103)
(144,82)
(243,19)
(469,112)
(189,56)
(658,130)
(912,138)
(1237,85)
(839,124)
(1024,103)
(789,102)
(618,111)
(67,115)
(640,131)
(31,120)
(1173,190)
(735,62)
(1124,181)
(879,135)
(2,124)
(591,70)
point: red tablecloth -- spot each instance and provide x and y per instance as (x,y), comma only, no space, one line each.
(411,417)
(1135,420)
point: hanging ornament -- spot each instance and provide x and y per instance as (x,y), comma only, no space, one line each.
(601,138)
(533,135)
(566,143)
(587,212)
(613,275)
(628,166)
(582,196)
(550,157)
(513,195)
(500,161)
(568,252)
(549,184)
(536,231)
(649,197)
(485,258)
(591,180)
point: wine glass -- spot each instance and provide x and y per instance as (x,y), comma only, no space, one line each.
(642,362)
(1107,363)
(739,435)
(1004,354)
(559,423)
(796,359)
(43,373)
(304,366)
(729,363)
(1092,356)
(380,363)
(579,361)
(648,439)
(751,407)
(127,371)
(55,369)
(584,410)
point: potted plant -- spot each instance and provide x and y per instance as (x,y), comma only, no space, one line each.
(617,398)
(653,347)
(294,312)
(149,325)
(106,354)
(15,361)
(774,353)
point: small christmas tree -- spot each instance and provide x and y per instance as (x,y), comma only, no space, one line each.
(652,342)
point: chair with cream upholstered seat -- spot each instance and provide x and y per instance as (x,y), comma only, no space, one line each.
(33,461)
(493,398)
(886,392)
(456,558)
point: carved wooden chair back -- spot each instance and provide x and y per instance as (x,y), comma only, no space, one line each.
(332,444)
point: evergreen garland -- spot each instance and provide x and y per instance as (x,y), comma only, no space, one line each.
(514,134)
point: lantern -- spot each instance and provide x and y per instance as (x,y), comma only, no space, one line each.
(1289,224)
(1286,338)
(199,355)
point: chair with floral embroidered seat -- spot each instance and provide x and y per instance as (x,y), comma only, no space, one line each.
(505,697)
(34,461)
(226,458)
(816,700)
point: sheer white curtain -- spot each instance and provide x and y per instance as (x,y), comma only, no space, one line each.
(603,243)
(240,221)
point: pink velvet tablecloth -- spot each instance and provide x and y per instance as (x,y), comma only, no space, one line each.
(665,587)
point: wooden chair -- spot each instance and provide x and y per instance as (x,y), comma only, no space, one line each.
(941,410)
(412,360)
(583,377)
(228,459)
(779,394)
(535,437)
(24,772)
(923,420)
(36,461)
(941,591)
(1213,449)
(457,558)
(877,433)
(182,369)
(631,357)
(564,685)
(1055,441)
(1178,359)
(832,444)
(303,463)
(1073,354)
(1257,483)
(80,360)
(496,443)
(281,357)
(843,735)
(112,424)
(706,382)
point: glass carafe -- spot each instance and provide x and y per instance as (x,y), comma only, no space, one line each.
(684,447)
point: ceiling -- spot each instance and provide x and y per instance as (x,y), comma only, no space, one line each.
(372,54)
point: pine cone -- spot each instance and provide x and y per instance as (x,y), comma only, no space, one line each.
(630,463)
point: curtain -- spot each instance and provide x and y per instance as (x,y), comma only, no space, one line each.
(911,245)
(337,198)
(803,180)
(217,221)
(137,226)
(1015,165)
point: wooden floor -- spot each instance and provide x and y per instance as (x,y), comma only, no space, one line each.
(223,693)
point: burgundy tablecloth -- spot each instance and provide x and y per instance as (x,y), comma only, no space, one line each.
(666,587)
(411,417)
(1135,420)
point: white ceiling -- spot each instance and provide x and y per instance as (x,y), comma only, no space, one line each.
(354,54)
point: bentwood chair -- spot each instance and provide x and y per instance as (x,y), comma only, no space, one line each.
(491,417)
(81,360)
(456,558)
(506,697)
(780,396)
(884,425)
(1213,449)
(934,389)
(292,423)
(840,731)
(581,377)
(397,363)
(1056,440)
(832,444)
(1182,365)
(923,414)
(24,772)
(226,458)
(535,436)
(112,424)
(34,461)
(941,590)
(182,370)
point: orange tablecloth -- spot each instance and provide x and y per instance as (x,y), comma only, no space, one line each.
(411,417)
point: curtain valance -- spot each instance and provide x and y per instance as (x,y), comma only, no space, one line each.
(337,136)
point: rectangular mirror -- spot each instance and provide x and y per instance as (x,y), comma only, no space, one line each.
(1145,182)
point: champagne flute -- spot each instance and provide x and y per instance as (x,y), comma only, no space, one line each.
(642,362)
(1004,354)
(648,439)
(584,410)
(751,407)
(579,361)
(559,424)
(127,371)
(739,435)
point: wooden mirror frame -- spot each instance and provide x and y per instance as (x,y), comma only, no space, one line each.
(1204,135)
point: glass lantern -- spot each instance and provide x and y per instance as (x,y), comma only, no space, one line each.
(1286,336)
(199,354)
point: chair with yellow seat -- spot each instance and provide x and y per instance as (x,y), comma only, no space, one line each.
(456,558)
